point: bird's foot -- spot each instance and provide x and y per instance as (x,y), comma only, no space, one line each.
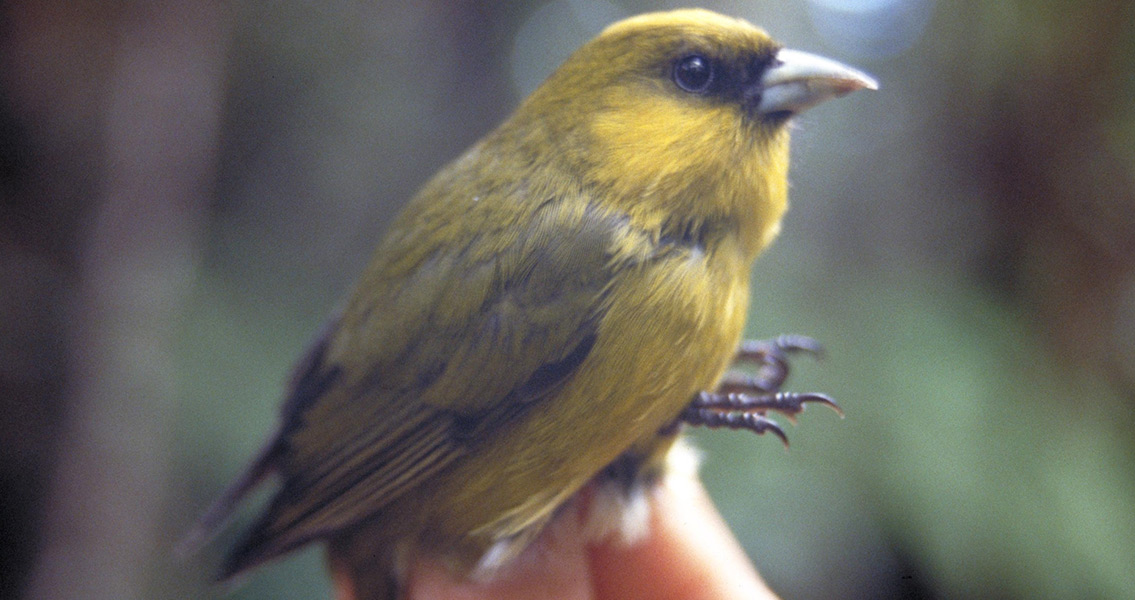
(742,401)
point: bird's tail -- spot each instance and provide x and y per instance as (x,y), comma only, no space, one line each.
(213,518)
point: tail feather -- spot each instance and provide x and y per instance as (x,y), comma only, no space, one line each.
(222,508)
(255,548)
(263,542)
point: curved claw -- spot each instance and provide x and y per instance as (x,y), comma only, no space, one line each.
(824,399)
(769,426)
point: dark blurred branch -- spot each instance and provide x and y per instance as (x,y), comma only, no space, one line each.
(1064,191)
(159,112)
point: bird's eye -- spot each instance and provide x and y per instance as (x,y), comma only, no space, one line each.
(693,74)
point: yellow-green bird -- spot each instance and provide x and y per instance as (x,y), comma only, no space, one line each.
(548,309)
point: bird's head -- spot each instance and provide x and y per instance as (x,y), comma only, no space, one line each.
(683,111)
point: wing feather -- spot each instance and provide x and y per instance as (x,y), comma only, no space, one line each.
(439,343)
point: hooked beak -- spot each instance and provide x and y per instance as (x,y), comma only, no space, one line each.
(796,81)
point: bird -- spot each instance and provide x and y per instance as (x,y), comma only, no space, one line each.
(549,311)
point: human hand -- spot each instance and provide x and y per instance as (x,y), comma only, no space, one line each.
(689,554)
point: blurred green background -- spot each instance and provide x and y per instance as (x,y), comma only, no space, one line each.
(186,189)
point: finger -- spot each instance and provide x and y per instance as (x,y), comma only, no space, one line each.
(690,554)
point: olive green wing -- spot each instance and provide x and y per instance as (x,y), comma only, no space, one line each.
(443,344)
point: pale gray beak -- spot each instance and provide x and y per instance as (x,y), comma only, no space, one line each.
(797,80)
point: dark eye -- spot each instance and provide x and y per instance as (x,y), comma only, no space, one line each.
(693,74)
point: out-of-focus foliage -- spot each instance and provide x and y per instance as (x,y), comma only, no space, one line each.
(962,241)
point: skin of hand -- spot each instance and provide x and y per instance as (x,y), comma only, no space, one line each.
(542,315)
(688,554)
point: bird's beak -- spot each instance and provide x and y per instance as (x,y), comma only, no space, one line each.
(797,80)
